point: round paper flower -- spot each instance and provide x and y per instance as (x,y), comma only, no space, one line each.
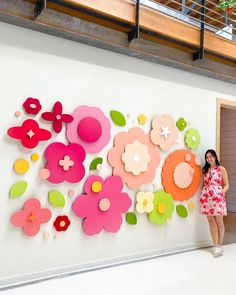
(90,128)
(163,207)
(181,174)
(32,106)
(134,158)
(29,133)
(181,124)
(31,217)
(144,202)
(61,223)
(102,204)
(164,132)
(192,139)
(57,117)
(65,162)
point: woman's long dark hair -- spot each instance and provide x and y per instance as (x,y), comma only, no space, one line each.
(207,165)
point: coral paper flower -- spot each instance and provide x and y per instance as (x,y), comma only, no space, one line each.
(134,158)
(192,139)
(90,128)
(61,223)
(144,202)
(57,117)
(181,174)
(65,162)
(32,106)
(163,207)
(29,133)
(31,217)
(164,132)
(102,204)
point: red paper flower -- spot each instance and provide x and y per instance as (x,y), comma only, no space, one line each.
(57,117)
(61,223)
(29,133)
(32,106)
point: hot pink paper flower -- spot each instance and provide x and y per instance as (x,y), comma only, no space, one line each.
(90,128)
(65,162)
(32,106)
(134,158)
(29,133)
(102,204)
(57,117)
(31,217)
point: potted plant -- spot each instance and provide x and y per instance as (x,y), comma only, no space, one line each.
(227,5)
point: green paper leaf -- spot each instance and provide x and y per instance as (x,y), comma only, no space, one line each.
(17,189)
(131,218)
(181,211)
(94,163)
(118,118)
(56,199)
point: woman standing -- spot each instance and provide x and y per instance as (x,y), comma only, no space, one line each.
(212,200)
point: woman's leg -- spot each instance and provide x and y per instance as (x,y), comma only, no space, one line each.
(213,230)
(221,228)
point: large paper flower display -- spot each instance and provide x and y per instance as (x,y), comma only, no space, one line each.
(163,207)
(181,174)
(31,217)
(134,158)
(164,132)
(90,128)
(192,139)
(29,133)
(102,204)
(65,162)
(57,117)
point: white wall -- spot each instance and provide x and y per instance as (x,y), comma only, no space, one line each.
(49,68)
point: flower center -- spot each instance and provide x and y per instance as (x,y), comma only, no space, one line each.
(30,133)
(161,208)
(165,131)
(104,204)
(96,186)
(89,130)
(62,223)
(66,163)
(31,217)
(194,138)
(136,158)
(33,106)
(58,117)
(145,202)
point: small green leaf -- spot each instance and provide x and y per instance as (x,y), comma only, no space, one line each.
(56,199)
(17,189)
(118,118)
(181,211)
(94,163)
(131,218)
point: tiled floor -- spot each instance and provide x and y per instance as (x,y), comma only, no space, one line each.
(191,273)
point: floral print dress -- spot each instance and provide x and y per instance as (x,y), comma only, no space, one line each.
(212,200)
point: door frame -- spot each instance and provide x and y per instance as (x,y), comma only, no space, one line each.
(221,103)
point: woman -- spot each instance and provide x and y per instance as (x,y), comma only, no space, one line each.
(212,200)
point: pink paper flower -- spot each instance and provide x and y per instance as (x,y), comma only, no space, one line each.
(57,117)
(29,133)
(90,128)
(32,106)
(134,158)
(164,131)
(65,162)
(31,217)
(102,204)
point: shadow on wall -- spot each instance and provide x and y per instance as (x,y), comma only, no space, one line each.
(35,41)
